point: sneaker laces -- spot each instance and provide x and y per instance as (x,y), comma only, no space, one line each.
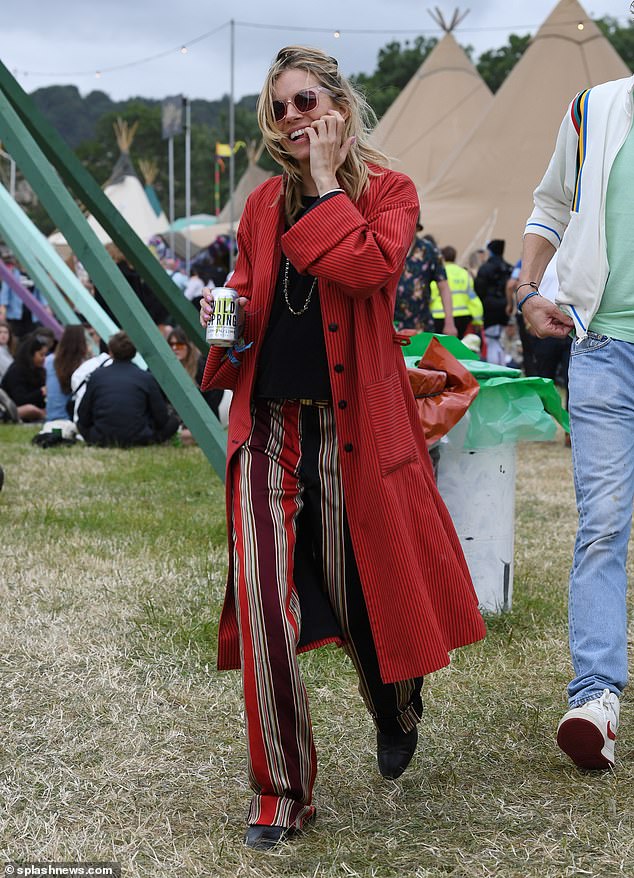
(604,705)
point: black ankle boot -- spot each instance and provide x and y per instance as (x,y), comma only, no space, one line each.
(263,838)
(394,752)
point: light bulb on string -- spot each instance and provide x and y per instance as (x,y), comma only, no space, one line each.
(337,34)
(580,26)
(184,50)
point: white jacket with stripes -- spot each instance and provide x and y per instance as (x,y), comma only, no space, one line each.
(570,200)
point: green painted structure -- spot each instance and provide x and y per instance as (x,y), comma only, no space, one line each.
(48,164)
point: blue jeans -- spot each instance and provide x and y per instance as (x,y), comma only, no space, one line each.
(601,386)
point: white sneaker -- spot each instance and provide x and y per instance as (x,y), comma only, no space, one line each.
(588,733)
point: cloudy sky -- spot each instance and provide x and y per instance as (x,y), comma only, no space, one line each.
(66,42)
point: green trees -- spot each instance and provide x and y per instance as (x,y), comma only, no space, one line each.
(496,64)
(622,38)
(396,65)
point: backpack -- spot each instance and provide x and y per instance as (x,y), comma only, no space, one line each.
(8,409)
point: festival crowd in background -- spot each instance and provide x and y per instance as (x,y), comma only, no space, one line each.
(43,379)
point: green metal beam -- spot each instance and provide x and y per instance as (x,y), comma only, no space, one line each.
(13,220)
(14,236)
(174,380)
(84,187)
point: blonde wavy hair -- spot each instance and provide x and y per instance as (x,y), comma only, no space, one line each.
(354,174)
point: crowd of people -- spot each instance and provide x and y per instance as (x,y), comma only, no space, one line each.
(435,294)
(324,435)
(46,379)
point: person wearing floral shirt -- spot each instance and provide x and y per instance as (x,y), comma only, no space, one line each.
(423,265)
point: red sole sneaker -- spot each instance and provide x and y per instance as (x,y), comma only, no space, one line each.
(583,742)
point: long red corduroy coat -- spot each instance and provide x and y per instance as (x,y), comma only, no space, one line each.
(420,599)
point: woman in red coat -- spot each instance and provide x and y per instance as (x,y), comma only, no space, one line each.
(336,530)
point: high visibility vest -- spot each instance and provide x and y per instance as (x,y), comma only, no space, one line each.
(465,302)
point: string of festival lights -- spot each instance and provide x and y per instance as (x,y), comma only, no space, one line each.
(183,48)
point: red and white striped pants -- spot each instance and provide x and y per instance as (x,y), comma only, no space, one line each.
(291,536)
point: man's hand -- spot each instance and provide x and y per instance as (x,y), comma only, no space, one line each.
(543,318)
(449,328)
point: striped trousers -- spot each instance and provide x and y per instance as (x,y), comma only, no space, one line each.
(291,538)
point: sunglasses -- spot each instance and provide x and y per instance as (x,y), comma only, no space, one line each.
(177,345)
(304,101)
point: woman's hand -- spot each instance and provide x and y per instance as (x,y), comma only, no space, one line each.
(207,303)
(328,150)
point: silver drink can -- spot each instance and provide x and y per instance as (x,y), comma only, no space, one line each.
(222,327)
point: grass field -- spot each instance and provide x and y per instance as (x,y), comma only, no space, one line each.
(119,741)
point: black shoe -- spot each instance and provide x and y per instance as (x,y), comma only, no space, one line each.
(263,838)
(394,752)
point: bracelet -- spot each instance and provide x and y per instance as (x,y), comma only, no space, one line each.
(528,283)
(237,349)
(525,299)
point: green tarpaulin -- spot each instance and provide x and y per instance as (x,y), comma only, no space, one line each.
(509,407)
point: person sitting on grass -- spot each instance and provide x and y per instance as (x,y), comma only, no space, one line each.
(25,379)
(123,405)
(194,363)
(71,351)
(7,347)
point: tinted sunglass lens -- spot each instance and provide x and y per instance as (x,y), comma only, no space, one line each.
(279,110)
(305,100)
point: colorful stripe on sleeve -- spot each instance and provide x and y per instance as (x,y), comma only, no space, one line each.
(579,113)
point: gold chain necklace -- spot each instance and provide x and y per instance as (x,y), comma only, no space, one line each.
(304,308)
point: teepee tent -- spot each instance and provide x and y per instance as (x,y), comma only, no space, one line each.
(250,180)
(126,192)
(484,190)
(437,109)
(149,171)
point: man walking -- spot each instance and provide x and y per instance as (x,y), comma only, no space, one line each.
(588,193)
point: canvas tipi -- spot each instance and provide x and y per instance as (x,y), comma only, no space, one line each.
(437,109)
(485,188)
(250,180)
(149,171)
(126,192)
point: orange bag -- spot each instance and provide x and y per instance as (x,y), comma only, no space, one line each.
(443,390)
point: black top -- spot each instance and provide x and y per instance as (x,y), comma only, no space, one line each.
(292,363)
(122,405)
(24,386)
(490,286)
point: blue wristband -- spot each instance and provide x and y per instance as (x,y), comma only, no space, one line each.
(525,299)
(237,349)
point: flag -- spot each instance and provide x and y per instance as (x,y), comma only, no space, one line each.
(224,149)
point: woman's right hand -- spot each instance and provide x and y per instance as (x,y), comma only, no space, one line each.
(207,303)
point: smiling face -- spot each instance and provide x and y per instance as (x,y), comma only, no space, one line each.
(287,84)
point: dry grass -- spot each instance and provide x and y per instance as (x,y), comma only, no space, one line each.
(118,740)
